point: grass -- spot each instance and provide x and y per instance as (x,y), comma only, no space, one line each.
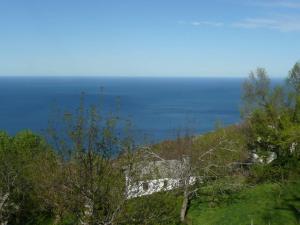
(270,204)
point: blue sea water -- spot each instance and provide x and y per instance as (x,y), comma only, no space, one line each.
(157,107)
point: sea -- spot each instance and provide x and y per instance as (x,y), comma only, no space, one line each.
(158,108)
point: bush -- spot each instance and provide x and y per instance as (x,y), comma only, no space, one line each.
(157,209)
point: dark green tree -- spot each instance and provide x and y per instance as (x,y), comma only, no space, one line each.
(293,81)
(21,157)
(294,77)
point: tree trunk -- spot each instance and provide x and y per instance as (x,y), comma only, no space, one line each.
(184,205)
(3,200)
(56,220)
(3,222)
(87,212)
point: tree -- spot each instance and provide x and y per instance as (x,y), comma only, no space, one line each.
(202,159)
(8,177)
(273,119)
(293,80)
(294,77)
(94,179)
(160,208)
(264,107)
(20,158)
(213,156)
(256,90)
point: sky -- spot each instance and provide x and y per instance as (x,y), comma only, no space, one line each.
(215,38)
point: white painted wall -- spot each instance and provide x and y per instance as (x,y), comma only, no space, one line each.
(137,189)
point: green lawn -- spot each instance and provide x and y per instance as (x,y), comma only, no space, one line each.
(270,204)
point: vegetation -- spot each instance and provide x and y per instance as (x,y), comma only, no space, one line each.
(268,191)
(80,173)
(268,203)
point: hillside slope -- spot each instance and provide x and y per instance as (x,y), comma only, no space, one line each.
(270,203)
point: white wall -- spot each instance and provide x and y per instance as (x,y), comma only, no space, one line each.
(137,189)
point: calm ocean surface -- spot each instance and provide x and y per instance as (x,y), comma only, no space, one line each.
(157,107)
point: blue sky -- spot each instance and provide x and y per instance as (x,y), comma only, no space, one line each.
(148,37)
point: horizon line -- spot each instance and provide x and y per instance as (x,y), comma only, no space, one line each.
(129,76)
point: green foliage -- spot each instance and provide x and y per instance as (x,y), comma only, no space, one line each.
(232,143)
(294,77)
(273,126)
(276,134)
(216,192)
(297,109)
(261,173)
(256,91)
(20,158)
(157,209)
(263,204)
(90,185)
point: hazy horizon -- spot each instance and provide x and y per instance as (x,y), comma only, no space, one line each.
(133,76)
